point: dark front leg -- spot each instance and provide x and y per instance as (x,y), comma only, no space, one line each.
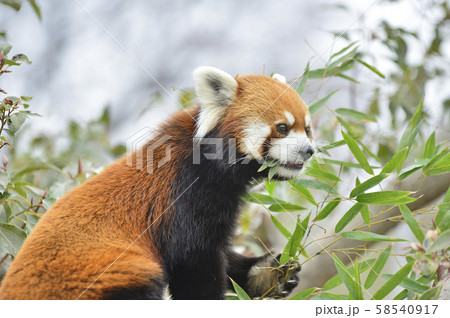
(201,277)
(263,276)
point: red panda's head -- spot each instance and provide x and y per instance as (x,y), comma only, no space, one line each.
(267,118)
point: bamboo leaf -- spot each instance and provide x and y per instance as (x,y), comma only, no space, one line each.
(285,207)
(348,217)
(377,267)
(365,214)
(315,107)
(393,282)
(385,198)
(327,209)
(322,174)
(240,292)
(404,173)
(368,184)
(430,146)
(412,222)
(353,146)
(315,185)
(302,84)
(347,279)
(442,242)
(291,248)
(432,294)
(305,193)
(304,294)
(398,158)
(280,227)
(336,280)
(355,114)
(370,67)
(369,236)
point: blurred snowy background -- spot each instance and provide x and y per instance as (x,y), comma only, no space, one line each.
(88,54)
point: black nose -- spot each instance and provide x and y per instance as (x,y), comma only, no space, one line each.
(307,152)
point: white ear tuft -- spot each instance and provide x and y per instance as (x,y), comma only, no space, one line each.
(215,89)
(279,78)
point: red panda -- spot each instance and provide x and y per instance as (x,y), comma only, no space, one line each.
(140,226)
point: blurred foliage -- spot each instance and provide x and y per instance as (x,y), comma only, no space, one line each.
(379,161)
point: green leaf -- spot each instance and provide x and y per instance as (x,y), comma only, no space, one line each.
(11,238)
(365,214)
(443,215)
(302,84)
(368,184)
(433,293)
(369,236)
(16,121)
(442,242)
(393,282)
(377,267)
(370,67)
(348,217)
(315,107)
(5,48)
(291,248)
(355,114)
(26,98)
(304,294)
(430,146)
(280,227)
(313,184)
(285,207)
(412,222)
(352,145)
(304,193)
(270,187)
(348,280)
(336,280)
(344,49)
(272,171)
(358,288)
(36,8)
(409,170)
(322,174)
(410,284)
(261,199)
(240,292)
(386,198)
(13,4)
(398,158)
(345,163)
(327,209)
(21,58)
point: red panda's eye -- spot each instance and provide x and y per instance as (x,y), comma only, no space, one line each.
(308,131)
(283,128)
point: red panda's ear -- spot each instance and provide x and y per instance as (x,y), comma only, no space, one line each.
(215,90)
(279,78)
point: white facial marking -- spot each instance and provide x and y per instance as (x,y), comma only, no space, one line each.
(307,121)
(255,135)
(279,78)
(290,118)
(288,150)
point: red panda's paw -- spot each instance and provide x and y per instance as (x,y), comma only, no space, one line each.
(270,279)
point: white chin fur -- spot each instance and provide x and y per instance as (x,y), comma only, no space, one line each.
(288,173)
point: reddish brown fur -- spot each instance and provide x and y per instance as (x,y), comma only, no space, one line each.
(90,227)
